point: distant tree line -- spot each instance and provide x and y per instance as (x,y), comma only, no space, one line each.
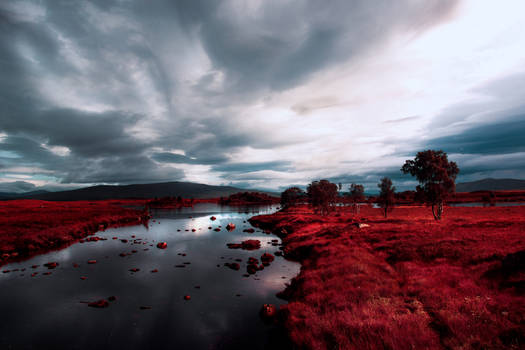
(435,173)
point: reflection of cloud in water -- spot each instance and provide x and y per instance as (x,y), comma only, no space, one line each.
(47,304)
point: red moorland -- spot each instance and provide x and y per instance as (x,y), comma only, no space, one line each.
(406,282)
(29,227)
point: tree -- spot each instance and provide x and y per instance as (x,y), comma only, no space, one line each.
(386,197)
(322,195)
(292,196)
(357,195)
(436,175)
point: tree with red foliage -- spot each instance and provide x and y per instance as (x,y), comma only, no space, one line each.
(292,196)
(436,175)
(357,195)
(322,195)
(386,197)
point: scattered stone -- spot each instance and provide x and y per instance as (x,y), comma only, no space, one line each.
(216,229)
(213,218)
(230,226)
(83,278)
(124,240)
(197,287)
(233,266)
(46,273)
(187,297)
(278,253)
(115,238)
(75,265)
(180,265)
(154,271)
(248,230)
(92,261)
(102,303)
(251,244)
(122,254)
(112,298)
(34,266)
(34,274)
(267,258)
(145,307)
(268,311)
(51,265)
(134,269)
(162,245)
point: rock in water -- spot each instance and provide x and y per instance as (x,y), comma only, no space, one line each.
(102,303)
(268,311)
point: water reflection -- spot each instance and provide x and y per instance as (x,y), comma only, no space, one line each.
(46,311)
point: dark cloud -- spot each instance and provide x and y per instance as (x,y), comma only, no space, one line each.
(282,43)
(112,81)
(495,138)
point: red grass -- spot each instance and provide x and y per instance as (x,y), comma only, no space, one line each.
(29,227)
(406,281)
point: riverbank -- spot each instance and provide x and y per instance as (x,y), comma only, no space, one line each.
(31,227)
(367,282)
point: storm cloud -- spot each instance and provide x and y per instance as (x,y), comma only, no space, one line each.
(261,94)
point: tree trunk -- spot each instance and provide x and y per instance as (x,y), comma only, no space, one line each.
(437,212)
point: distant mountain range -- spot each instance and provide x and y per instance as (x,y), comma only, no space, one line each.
(165,189)
(491,185)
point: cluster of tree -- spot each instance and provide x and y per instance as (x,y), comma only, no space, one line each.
(248,198)
(435,173)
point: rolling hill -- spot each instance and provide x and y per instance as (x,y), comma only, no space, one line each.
(491,185)
(183,189)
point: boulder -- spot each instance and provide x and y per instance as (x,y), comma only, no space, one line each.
(162,245)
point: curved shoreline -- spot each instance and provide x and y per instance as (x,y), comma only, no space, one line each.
(33,227)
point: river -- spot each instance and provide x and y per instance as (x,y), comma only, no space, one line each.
(149,310)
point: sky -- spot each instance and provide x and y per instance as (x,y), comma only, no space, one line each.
(259,94)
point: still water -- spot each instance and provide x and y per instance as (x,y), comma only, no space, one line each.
(150,312)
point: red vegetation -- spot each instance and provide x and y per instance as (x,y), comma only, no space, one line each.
(30,227)
(406,282)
